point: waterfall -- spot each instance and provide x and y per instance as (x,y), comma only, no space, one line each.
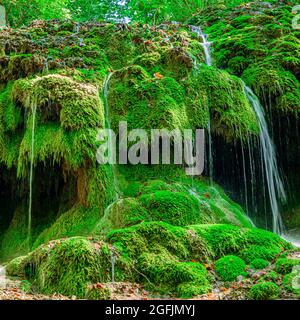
(274,183)
(205,44)
(111,150)
(33,111)
(208,60)
(210,153)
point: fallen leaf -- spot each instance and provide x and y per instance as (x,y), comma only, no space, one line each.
(158,75)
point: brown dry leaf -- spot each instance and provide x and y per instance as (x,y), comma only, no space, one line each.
(158,75)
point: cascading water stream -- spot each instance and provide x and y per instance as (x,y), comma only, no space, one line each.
(208,60)
(205,44)
(108,126)
(274,183)
(33,111)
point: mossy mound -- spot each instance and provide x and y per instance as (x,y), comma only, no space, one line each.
(264,291)
(259,264)
(179,203)
(292,282)
(67,266)
(230,267)
(165,258)
(285,266)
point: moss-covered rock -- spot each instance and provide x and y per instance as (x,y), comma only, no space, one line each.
(230,267)
(98,292)
(259,263)
(285,266)
(291,282)
(166,259)
(264,291)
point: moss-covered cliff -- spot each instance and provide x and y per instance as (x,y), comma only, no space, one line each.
(174,234)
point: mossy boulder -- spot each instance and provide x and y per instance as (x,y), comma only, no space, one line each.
(166,259)
(264,291)
(285,265)
(259,263)
(291,282)
(230,267)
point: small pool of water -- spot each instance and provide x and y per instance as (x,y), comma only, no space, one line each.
(293,236)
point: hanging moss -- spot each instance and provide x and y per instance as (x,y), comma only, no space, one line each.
(231,114)
(257,42)
(76,105)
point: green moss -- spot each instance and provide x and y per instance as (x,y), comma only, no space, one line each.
(20,66)
(191,289)
(158,237)
(166,259)
(122,213)
(214,205)
(285,266)
(98,292)
(16,267)
(168,274)
(146,102)
(291,282)
(77,105)
(270,276)
(77,221)
(259,252)
(264,291)
(230,111)
(230,267)
(259,264)
(176,208)
(67,266)
(249,244)
(262,48)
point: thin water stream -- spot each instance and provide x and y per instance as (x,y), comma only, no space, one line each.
(33,111)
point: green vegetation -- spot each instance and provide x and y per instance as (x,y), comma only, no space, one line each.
(291,282)
(264,291)
(257,42)
(230,267)
(167,259)
(259,264)
(285,266)
(174,235)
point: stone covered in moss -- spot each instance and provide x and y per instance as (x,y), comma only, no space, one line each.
(230,267)
(165,258)
(264,291)
(291,282)
(259,263)
(285,266)
(98,292)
